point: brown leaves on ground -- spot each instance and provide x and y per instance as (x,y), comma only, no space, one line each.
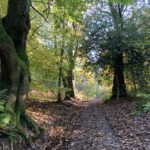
(133,130)
(56,121)
(90,126)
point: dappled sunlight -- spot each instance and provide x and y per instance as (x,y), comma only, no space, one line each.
(74,74)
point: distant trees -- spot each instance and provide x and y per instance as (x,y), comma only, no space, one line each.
(67,24)
(59,40)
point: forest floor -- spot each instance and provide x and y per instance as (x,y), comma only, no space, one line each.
(90,126)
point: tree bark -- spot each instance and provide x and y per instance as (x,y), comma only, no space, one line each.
(9,65)
(119,87)
(60,74)
(59,96)
(68,80)
(14,59)
(68,83)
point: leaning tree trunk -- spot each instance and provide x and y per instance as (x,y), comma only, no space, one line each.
(119,88)
(14,60)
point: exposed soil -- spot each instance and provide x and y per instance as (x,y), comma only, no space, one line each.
(90,126)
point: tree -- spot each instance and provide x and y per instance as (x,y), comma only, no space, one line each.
(138,52)
(67,24)
(119,87)
(14,28)
(112,33)
(108,41)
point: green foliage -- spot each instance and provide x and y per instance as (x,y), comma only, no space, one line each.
(3,7)
(104,36)
(1,108)
(6,111)
(8,119)
(147,107)
(121,1)
(5,119)
(2,102)
(142,102)
(46,41)
(86,85)
(106,96)
(139,106)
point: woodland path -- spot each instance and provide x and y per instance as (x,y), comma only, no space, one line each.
(94,131)
(84,127)
(90,126)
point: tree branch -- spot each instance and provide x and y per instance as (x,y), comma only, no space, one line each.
(39,13)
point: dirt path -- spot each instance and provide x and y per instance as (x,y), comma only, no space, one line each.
(81,126)
(90,126)
(93,132)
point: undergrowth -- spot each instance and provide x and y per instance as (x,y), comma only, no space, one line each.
(142,103)
(6,112)
(8,127)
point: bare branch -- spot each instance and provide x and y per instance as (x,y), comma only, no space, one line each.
(34,31)
(39,13)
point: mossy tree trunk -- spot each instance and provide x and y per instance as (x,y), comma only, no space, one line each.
(68,80)
(14,30)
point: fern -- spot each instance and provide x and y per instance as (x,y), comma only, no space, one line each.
(147,107)
(6,111)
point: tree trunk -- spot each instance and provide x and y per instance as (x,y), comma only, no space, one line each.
(68,83)
(9,64)
(59,96)
(65,84)
(70,76)
(15,63)
(60,74)
(119,87)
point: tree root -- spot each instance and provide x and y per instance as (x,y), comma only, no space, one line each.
(12,132)
(32,125)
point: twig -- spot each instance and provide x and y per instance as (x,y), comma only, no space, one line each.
(39,13)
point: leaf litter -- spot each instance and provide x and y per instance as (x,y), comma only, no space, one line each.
(89,126)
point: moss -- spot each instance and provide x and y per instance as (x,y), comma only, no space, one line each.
(4,38)
(22,64)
